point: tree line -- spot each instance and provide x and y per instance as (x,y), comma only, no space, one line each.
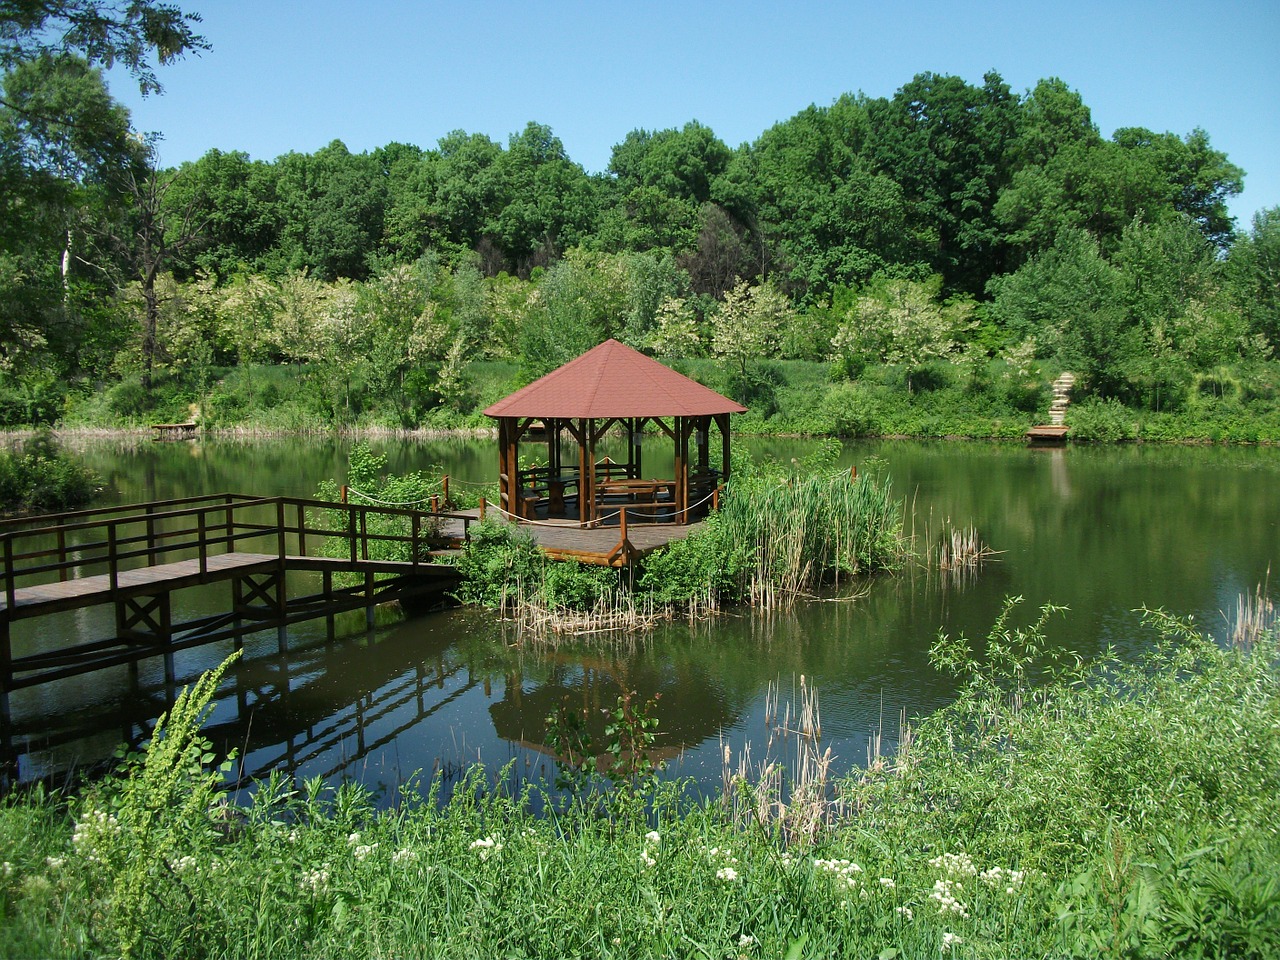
(949,222)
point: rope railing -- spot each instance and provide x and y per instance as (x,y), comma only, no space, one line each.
(388,503)
(608,516)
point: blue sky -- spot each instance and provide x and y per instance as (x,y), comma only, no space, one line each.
(295,75)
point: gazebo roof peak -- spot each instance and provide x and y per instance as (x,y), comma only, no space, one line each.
(613,380)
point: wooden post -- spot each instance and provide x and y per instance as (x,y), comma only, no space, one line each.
(416,528)
(444,488)
(113,563)
(435,504)
(328,596)
(151,534)
(9,574)
(344,493)
(202,535)
(853,472)
(482,506)
(62,551)
(622,521)
(351,532)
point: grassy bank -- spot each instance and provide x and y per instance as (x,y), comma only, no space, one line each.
(1116,811)
(784,397)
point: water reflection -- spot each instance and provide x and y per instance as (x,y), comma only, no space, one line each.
(1102,531)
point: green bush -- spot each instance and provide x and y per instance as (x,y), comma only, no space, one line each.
(42,479)
(577,586)
(1102,421)
(499,561)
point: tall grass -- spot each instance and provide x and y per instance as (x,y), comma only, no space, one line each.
(811,529)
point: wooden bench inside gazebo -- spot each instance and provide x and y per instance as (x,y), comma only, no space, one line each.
(570,410)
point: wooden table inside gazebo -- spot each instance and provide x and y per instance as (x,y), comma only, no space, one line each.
(610,386)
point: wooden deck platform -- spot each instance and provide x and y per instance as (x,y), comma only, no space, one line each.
(1048,433)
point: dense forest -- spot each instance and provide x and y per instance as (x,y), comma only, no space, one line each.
(954,234)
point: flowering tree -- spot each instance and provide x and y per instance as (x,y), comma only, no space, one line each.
(901,323)
(750,323)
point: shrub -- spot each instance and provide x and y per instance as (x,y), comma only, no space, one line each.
(42,479)
(1104,421)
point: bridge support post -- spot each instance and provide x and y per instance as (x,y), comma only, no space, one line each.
(148,621)
(329,622)
(6,674)
(261,598)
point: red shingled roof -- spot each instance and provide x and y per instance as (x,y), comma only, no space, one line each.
(613,380)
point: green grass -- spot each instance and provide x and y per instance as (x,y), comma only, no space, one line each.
(1114,811)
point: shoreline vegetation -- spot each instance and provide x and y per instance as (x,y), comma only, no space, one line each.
(1111,809)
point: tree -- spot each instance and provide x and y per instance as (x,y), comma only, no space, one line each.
(675,330)
(749,324)
(1253,273)
(544,202)
(150,235)
(902,323)
(948,145)
(1198,179)
(828,218)
(1051,117)
(65,147)
(103,33)
(332,205)
(1071,300)
(238,203)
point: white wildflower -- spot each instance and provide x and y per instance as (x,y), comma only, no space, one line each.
(746,940)
(906,912)
(487,846)
(6,869)
(183,864)
(364,850)
(954,864)
(404,856)
(944,893)
(949,940)
(727,874)
(315,881)
(887,883)
(353,839)
(647,860)
(653,837)
(54,863)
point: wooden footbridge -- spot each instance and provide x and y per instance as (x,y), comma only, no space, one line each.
(134,558)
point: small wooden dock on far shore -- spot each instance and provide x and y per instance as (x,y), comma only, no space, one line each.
(1048,433)
(175,431)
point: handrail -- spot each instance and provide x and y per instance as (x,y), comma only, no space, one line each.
(121,508)
(206,527)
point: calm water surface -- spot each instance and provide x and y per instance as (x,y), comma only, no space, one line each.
(1102,531)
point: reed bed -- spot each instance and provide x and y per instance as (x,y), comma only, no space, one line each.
(613,612)
(790,789)
(1255,617)
(812,529)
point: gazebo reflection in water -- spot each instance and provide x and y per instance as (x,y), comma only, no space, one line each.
(570,410)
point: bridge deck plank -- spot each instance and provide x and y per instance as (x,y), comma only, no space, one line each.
(43,598)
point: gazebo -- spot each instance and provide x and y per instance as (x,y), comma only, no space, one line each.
(610,385)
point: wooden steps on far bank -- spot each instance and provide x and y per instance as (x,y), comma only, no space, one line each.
(1055,431)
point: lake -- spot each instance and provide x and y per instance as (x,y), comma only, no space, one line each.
(1103,531)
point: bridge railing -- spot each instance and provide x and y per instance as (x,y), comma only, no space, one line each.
(113,540)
